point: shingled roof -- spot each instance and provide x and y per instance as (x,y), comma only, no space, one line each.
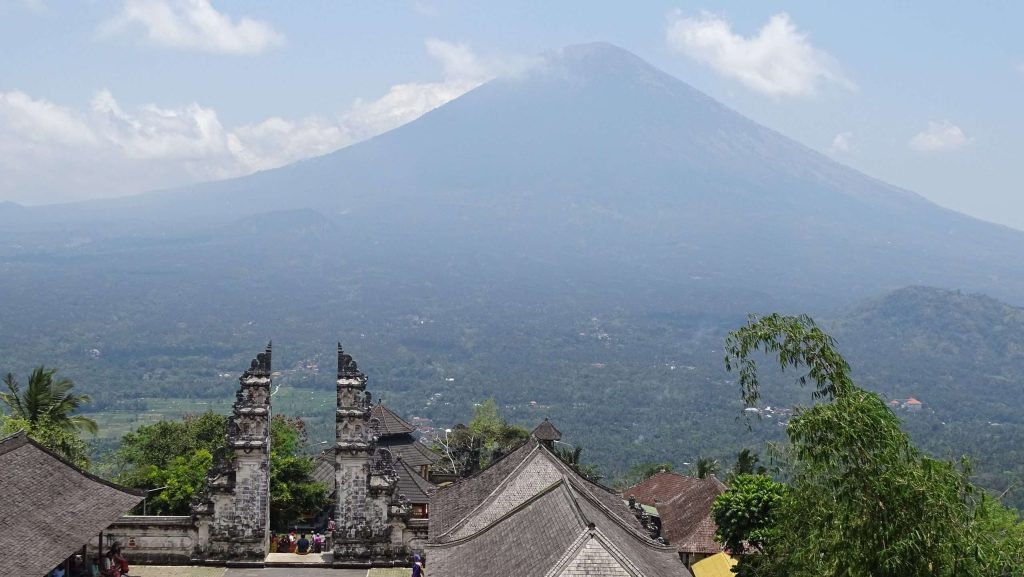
(684,505)
(411,485)
(532,515)
(410,450)
(559,530)
(52,505)
(546,431)
(390,422)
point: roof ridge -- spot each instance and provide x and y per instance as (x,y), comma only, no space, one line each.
(622,523)
(385,408)
(699,482)
(13,441)
(502,484)
(482,471)
(21,438)
(576,474)
(515,510)
(417,478)
(570,553)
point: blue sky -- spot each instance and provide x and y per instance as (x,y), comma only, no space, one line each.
(102,98)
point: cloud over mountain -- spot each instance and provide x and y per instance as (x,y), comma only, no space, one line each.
(107,150)
(778,60)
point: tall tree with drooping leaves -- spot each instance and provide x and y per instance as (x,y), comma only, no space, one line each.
(865,502)
(45,411)
(47,398)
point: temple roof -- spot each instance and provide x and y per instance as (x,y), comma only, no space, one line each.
(532,515)
(390,422)
(560,529)
(546,432)
(410,450)
(51,506)
(684,505)
(410,484)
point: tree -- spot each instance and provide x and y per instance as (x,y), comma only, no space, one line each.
(488,436)
(865,501)
(745,514)
(65,443)
(705,466)
(573,458)
(293,492)
(746,464)
(47,399)
(156,446)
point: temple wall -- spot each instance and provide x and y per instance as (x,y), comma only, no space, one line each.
(153,540)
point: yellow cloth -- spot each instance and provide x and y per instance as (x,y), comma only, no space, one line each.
(717,565)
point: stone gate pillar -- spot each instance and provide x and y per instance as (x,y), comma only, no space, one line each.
(233,513)
(368,506)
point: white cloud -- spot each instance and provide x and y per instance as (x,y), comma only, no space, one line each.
(193,25)
(51,153)
(842,143)
(938,137)
(778,60)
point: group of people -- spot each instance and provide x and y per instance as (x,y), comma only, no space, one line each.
(112,564)
(300,544)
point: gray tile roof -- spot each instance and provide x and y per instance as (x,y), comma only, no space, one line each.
(52,505)
(451,504)
(546,431)
(410,484)
(413,452)
(550,534)
(528,515)
(390,422)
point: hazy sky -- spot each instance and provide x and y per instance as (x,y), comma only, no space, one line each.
(102,98)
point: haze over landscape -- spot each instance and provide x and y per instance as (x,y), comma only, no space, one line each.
(569,227)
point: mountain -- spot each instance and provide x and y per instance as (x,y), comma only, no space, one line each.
(964,352)
(575,241)
(599,160)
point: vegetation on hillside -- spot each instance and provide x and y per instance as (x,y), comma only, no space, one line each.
(862,500)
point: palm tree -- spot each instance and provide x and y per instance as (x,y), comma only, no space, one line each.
(706,466)
(47,399)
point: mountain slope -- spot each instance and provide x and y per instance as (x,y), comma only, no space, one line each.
(598,159)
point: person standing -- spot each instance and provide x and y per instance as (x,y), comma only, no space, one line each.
(417,566)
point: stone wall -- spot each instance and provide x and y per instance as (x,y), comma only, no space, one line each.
(153,540)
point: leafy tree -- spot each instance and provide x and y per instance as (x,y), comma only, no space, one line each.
(488,436)
(156,446)
(746,464)
(573,458)
(47,399)
(745,514)
(866,503)
(182,478)
(65,443)
(293,492)
(705,466)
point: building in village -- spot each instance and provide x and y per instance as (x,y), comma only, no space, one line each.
(50,509)
(684,508)
(531,515)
